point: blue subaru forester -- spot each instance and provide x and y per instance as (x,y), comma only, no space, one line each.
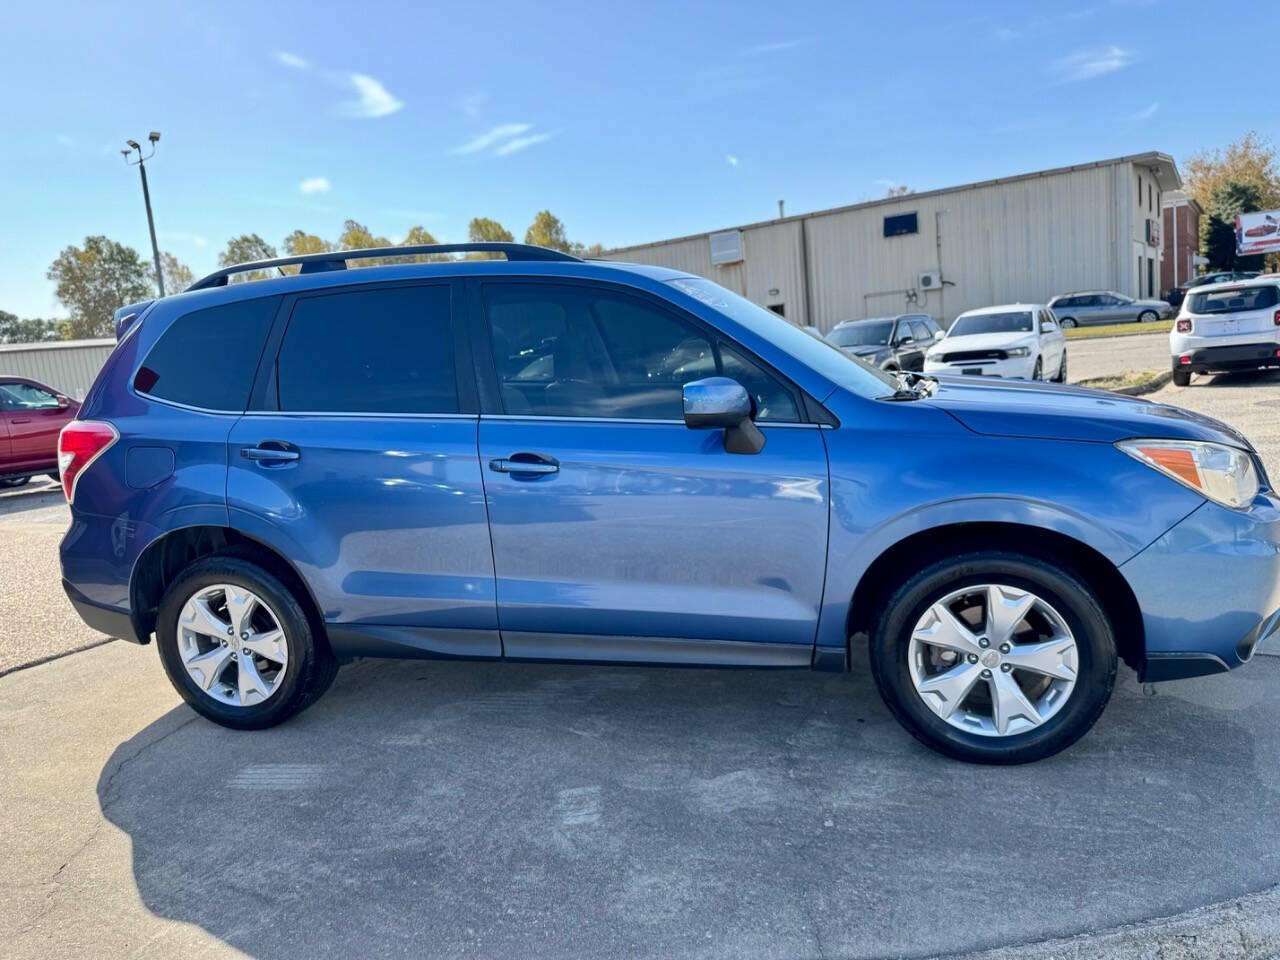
(541,458)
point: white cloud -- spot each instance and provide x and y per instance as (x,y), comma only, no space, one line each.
(472,103)
(503,131)
(1088,64)
(730,159)
(776,47)
(177,236)
(315,185)
(522,143)
(285,58)
(1147,112)
(373,99)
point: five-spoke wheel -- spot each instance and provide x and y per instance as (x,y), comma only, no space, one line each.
(232,644)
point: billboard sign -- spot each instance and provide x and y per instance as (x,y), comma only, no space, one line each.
(1257,232)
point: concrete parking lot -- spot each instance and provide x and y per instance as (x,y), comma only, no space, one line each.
(475,810)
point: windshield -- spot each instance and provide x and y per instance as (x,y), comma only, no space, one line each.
(991,323)
(1234,300)
(867,334)
(819,355)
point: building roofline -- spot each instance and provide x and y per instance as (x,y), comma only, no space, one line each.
(1150,158)
(57,344)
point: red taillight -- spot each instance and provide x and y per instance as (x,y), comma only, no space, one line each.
(1184,326)
(1276,318)
(1184,359)
(80,443)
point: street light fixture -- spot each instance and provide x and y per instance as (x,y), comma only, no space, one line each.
(140,163)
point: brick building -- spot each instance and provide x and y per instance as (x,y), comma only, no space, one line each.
(1181,229)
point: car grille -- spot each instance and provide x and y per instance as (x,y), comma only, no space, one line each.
(970,356)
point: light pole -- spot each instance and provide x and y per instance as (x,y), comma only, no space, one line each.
(140,163)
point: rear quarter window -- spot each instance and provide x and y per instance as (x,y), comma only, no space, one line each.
(207,358)
(1238,300)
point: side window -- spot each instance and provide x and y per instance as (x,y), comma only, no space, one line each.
(774,402)
(578,351)
(920,330)
(387,350)
(208,358)
(17,395)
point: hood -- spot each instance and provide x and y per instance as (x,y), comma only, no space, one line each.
(986,341)
(1050,411)
(866,349)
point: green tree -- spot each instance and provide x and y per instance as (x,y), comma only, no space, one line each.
(484,230)
(356,236)
(300,243)
(247,248)
(547,231)
(1218,227)
(94,280)
(177,275)
(591,252)
(35,330)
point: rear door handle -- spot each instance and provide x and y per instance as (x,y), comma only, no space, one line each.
(529,464)
(272,454)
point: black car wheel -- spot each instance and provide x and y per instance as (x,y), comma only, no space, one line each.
(238,646)
(1181,376)
(1148,316)
(1068,323)
(8,483)
(1062,369)
(994,657)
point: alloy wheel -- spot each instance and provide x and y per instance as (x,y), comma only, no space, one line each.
(993,660)
(232,645)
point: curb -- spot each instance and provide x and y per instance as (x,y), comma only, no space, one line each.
(1151,386)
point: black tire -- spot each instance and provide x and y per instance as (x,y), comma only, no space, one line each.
(10,483)
(311,667)
(1062,369)
(1148,316)
(1181,377)
(54,477)
(1037,372)
(1059,586)
(1067,323)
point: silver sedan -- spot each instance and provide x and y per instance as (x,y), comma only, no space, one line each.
(1106,306)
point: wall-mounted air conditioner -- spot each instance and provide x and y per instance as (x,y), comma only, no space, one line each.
(930,280)
(726,247)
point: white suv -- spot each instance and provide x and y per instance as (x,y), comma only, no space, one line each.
(1227,326)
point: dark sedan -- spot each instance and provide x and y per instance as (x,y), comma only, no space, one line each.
(890,343)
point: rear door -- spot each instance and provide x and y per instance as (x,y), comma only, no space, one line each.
(618,533)
(358,458)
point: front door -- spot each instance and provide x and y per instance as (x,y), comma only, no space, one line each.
(34,420)
(358,461)
(618,533)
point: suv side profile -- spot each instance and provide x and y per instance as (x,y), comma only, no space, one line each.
(893,344)
(541,458)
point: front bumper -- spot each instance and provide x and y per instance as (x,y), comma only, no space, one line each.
(1209,590)
(1014,368)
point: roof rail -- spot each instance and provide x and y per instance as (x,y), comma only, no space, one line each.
(337,260)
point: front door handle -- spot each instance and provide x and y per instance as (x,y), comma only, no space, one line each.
(270,454)
(529,464)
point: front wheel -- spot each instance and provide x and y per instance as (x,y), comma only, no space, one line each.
(1148,316)
(1062,369)
(9,483)
(238,646)
(1037,372)
(994,657)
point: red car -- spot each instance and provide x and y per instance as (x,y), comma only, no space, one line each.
(31,416)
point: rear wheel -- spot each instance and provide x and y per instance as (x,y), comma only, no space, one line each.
(56,478)
(1068,323)
(238,646)
(8,483)
(1148,316)
(1181,376)
(994,657)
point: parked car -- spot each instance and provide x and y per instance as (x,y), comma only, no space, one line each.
(1175,296)
(890,343)
(1019,340)
(1106,306)
(493,459)
(31,415)
(1227,326)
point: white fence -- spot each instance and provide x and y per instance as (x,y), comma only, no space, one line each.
(66,365)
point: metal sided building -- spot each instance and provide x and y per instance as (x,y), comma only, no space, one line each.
(1092,226)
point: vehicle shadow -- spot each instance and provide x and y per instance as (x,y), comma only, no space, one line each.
(33,495)
(485,809)
(1242,378)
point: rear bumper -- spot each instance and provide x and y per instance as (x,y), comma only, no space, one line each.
(1236,356)
(1209,590)
(112,621)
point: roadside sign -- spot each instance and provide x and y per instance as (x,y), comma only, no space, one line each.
(1257,232)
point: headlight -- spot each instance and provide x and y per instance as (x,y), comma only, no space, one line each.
(1018,352)
(1224,474)
(933,354)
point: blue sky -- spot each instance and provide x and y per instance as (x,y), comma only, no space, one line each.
(631,122)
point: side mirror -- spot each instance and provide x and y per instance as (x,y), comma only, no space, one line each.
(721,402)
(903,341)
(63,401)
(938,335)
(1046,327)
